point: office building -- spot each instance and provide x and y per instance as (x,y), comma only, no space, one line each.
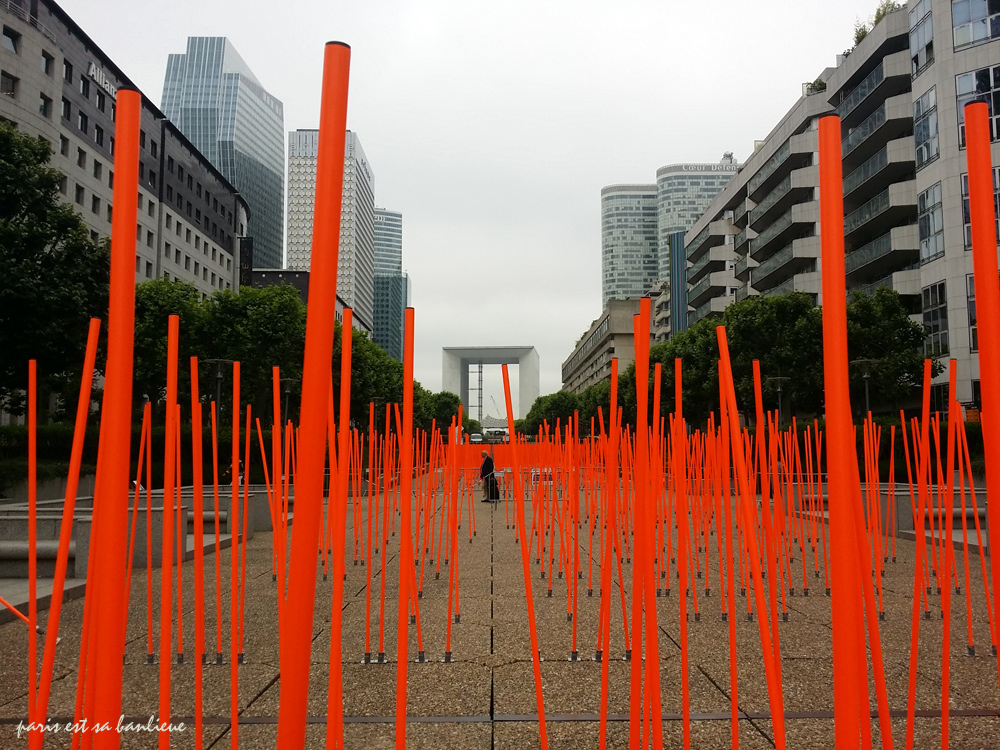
(214,98)
(356,254)
(60,86)
(611,335)
(628,240)
(899,94)
(263,277)
(392,286)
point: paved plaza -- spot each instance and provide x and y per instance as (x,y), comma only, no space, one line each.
(485,697)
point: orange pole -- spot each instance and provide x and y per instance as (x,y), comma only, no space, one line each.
(198,508)
(298,616)
(234,574)
(167,548)
(111,521)
(66,530)
(33,539)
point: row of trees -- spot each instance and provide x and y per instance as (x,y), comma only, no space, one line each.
(785,334)
(55,279)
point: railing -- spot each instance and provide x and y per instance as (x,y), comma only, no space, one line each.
(742,265)
(776,160)
(772,231)
(698,240)
(867,253)
(860,134)
(773,197)
(869,289)
(11,7)
(877,205)
(741,239)
(698,289)
(862,91)
(742,292)
(786,286)
(699,312)
(866,171)
(741,211)
(700,264)
(775,262)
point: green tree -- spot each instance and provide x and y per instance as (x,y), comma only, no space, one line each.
(550,408)
(54,277)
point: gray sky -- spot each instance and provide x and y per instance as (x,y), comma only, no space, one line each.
(493,126)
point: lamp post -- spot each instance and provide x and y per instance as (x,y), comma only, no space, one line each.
(287,383)
(779,381)
(218,380)
(866,373)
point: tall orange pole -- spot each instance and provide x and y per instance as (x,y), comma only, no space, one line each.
(297,619)
(984,257)
(116,417)
(234,574)
(198,508)
(167,549)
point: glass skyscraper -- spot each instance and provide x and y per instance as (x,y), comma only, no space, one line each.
(391,284)
(216,101)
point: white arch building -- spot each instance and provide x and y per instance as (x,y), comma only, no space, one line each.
(458,359)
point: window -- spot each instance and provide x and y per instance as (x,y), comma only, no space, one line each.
(199,190)
(142,171)
(921,37)
(197,215)
(971,304)
(44,106)
(139,201)
(151,208)
(177,257)
(189,209)
(149,238)
(170,193)
(78,197)
(101,99)
(111,145)
(142,139)
(213,254)
(187,262)
(169,220)
(11,40)
(149,270)
(925,128)
(81,158)
(974,21)
(94,236)
(190,182)
(180,172)
(48,63)
(84,86)
(138,232)
(981,85)
(197,268)
(935,311)
(63,185)
(109,212)
(98,169)
(167,250)
(187,236)
(99,135)
(64,145)
(83,123)
(66,109)
(111,179)
(95,204)
(152,179)
(8,84)
(67,71)
(152,148)
(965,204)
(170,164)
(197,242)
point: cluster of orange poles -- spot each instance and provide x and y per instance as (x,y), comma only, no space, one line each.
(653,496)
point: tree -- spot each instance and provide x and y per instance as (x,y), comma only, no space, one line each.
(555,406)
(879,328)
(55,278)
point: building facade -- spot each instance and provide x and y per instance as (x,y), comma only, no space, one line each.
(899,94)
(611,335)
(214,98)
(356,255)
(59,85)
(392,286)
(262,277)
(629,254)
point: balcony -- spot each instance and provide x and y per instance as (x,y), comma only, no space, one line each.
(797,186)
(796,152)
(743,266)
(714,260)
(741,211)
(892,163)
(714,306)
(786,286)
(797,256)
(745,291)
(896,248)
(709,287)
(893,119)
(807,282)
(713,235)
(742,239)
(799,221)
(894,206)
(891,77)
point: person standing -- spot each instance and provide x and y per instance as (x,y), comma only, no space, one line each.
(487,475)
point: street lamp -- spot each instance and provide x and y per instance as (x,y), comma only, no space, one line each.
(287,383)
(779,381)
(218,379)
(866,373)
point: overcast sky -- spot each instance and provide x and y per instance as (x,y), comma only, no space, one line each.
(493,126)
